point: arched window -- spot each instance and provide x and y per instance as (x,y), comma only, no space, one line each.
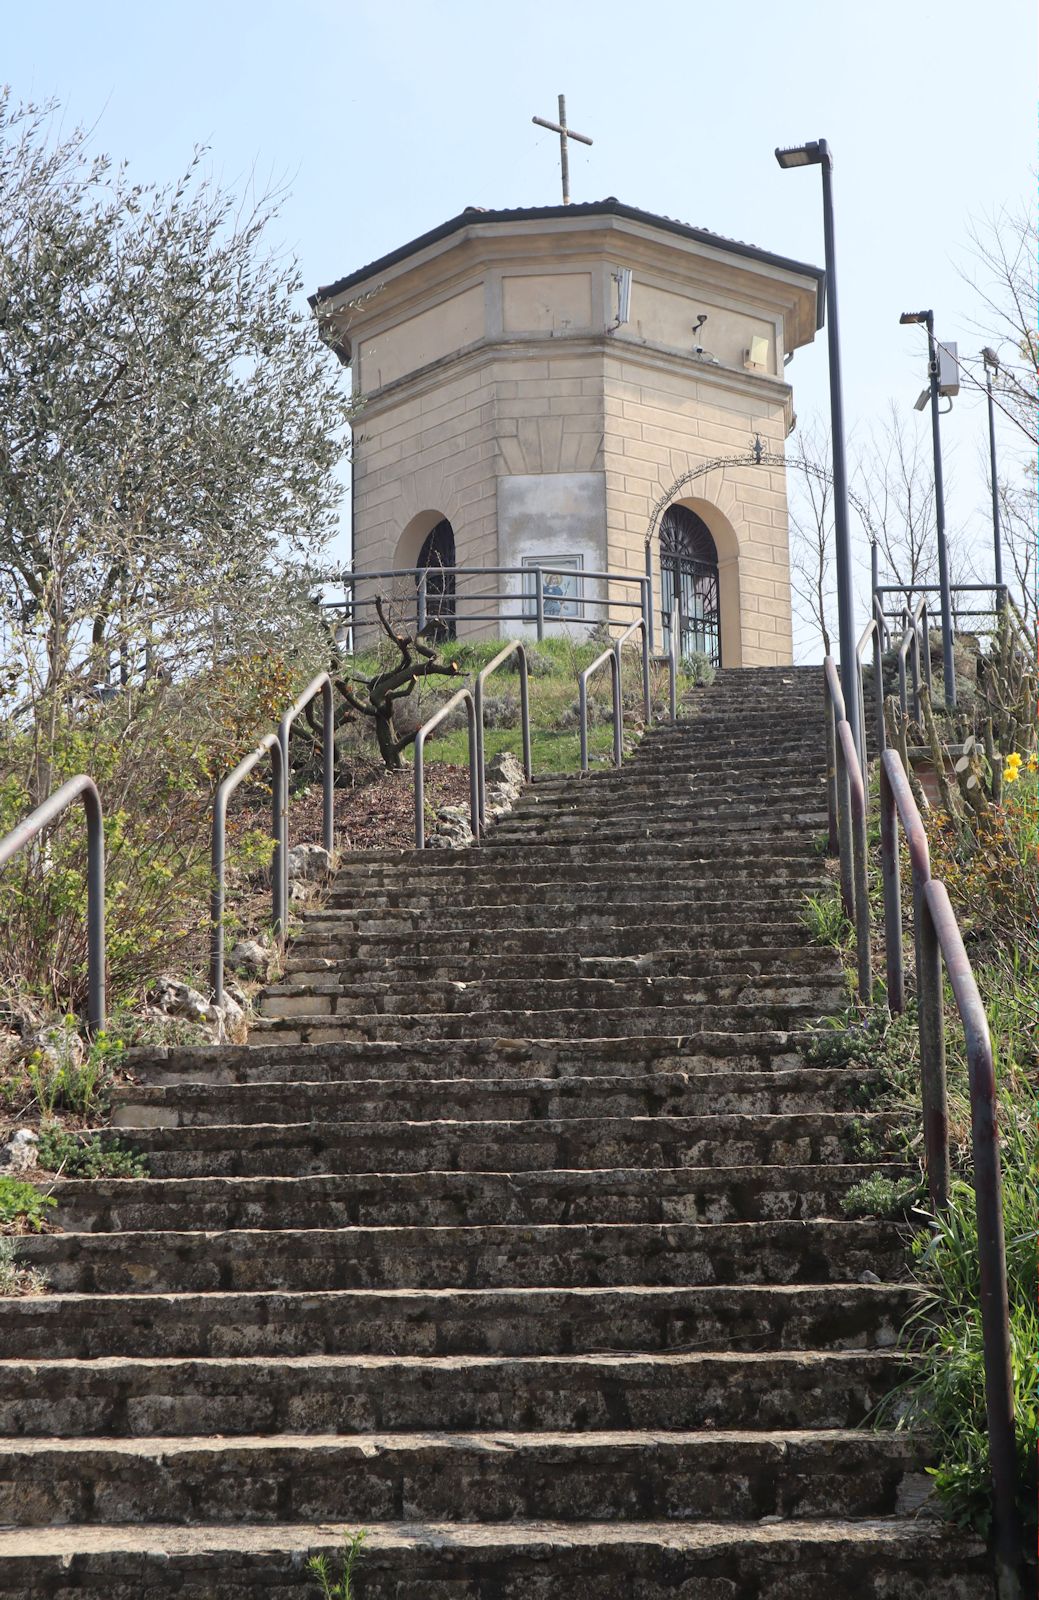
(689,579)
(438,556)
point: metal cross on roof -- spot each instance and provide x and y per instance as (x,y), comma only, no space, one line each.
(564,133)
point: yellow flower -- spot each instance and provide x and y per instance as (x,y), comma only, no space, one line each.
(1011,774)
(1033,762)
(1013,759)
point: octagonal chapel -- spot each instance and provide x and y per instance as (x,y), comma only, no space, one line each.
(571,391)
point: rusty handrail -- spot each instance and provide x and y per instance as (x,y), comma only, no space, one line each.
(464,697)
(846,799)
(610,656)
(516,648)
(321,685)
(48,811)
(279,895)
(938,940)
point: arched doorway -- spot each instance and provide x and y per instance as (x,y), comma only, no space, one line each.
(437,555)
(689,579)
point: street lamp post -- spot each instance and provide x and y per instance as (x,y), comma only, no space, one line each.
(817,154)
(991,360)
(948,661)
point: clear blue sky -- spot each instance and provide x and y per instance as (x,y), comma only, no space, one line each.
(386,118)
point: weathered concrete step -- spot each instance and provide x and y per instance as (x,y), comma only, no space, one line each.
(646,1094)
(439,1199)
(328,995)
(529,1321)
(794,1560)
(743,905)
(569,1022)
(493,863)
(498,1476)
(120,1396)
(729,921)
(642,824)
(253,1149)
(544,958)
(477,1058)
(481,1256)
(334,935)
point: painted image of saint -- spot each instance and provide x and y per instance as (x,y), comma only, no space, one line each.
(554,591)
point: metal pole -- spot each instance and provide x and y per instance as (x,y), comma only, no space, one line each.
(540,592)
(948,659)
(845,595)
(329,760)
(896,991)
(933,1093)
(996,541)
(647,596)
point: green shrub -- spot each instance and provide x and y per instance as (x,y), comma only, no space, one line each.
(83,1155)
(823,916)
(879,1196)
(58,1081)
(699,669)
(23,1203)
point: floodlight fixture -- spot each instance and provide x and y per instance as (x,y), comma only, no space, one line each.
(915,316)
(802,155)
(924,400)
(990,358)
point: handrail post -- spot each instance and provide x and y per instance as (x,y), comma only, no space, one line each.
(833,844)
(518,649)
(844,840)
(80,787)
(582,700)
(646,587)
(539,592)
(930,1008)
(878,675)
(420,600)
(925,620)
(328,773)
(218,855)
(647,699)
(856,806)
(916,668)
(672,664)
(618,711)
(896,993)
(466,696)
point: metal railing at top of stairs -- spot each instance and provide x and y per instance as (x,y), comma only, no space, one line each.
(938,941)
(518,649)
(463,697)
(47,812)
(278,744)
(613,656)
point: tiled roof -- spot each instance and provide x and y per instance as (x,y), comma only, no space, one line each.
(477,215)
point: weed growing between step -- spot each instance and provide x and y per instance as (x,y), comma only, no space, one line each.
(343,1589)
(15,1280)
(22,1206)
(84,1155)
(993,880)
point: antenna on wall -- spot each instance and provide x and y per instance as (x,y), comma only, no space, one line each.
(622,278)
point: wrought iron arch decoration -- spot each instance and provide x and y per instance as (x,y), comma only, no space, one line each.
(757,456)
(438,557)
(689,580)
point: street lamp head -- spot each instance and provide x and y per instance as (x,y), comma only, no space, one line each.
(990,359)
(801,155)
(915,316)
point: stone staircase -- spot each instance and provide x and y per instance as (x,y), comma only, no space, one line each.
(515,1236)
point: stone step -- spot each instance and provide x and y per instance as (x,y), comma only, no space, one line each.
(502,1099)
(333,934)
(318,1027)
(120,1396)
(581,1143)
(329,995)
(528,1321)
(494,862)
(477,1058)
(437,1199)
(795,1560)
(787,888)
(498,1476)
(548,958)
(738,921)
(482,1256)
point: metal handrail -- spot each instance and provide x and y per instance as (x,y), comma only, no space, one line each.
(279,889)
(609,655)
(639,625)
(938,939)
(321,685)
(846,796)
(672,663)
(516,648)
(463,696)
(874,630)
(915,621)
(79,787)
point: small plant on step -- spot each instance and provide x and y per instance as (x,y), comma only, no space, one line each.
(71,1076)
(823,916)
(77,1155)
(16,1280)
(878,1196)
(319,1566)
(22,1205)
